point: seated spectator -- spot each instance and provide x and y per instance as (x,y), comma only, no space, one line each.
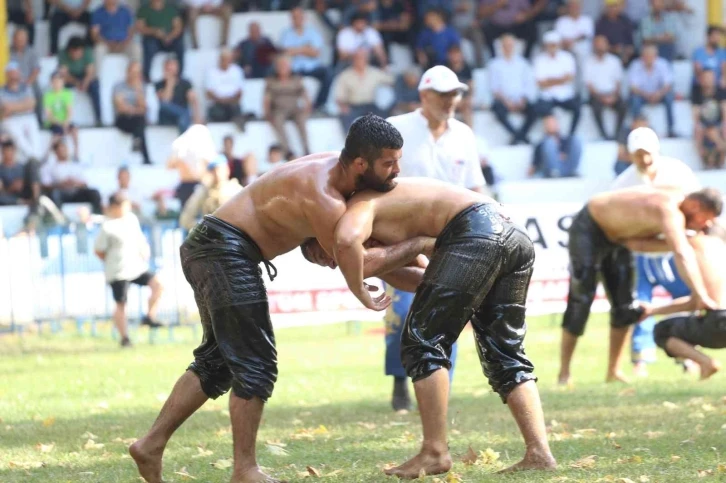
(304,44)
(618,29)
(17,113)
(218,8)
(395,18)
(79,72)
(660,28)
(65,181)
(286,99)
(161,27)
(19,183)
(368,8)
(512,83)
(603,78)
(435,40)
(556,156)
(576,30)
(58,110)
(241,169)
(423,6)
(129,102)
(359,36)
(710,57)
(553,9)
(406,91)
(65,12)
(112,31)
(28,63)
(178,104)
(636,10)
(276,156)
(709,120)
(623,160)
(254,54)
(456,63)
(651,82)
(21,14)
(465,22)
(509,16)
(355,91)
(211,194)
(555,72)
(224,86)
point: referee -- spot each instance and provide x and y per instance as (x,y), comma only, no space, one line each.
(435,146)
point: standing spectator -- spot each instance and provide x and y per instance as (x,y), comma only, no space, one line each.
(304,45)
(79,72)
(161,26)
(129,101)
(406,91)
(19,183)
(112,30)
(618,29)
(359,36)
(556,156)
(458,65)
(58,110)
(64,179)
(21,14)
(224,86)
(709,120)
(395,19)
(435,40)
(27,60)
(211,194)
(623,160)
(651,82)
(218,8)
(254,54)
(466,22)
(711,57)
(356,89)
(241,169)
(575,29)
(17,111)
(178,103)
(509,16)
(65,12)
(555,72)
(286,98)
(123,248)
(660,28)
(512,83)
(603,78)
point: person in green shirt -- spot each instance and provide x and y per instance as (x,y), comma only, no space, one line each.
(58,110)
(160,24)
(77,65)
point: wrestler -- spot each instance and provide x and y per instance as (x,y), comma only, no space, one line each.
(597,236)
(220,257)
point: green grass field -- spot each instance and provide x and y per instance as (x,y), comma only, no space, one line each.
(71,405)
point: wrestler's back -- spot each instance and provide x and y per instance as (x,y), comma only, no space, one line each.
(711,255)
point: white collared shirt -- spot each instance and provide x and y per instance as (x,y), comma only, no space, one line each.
(572,28)
(548,67)
(512,78)
(605,75)
(453,157)
(670,172)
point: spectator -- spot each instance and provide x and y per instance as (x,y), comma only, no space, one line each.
(286,99)
(112,30)
(575,29)
(123,248)
(660,28)
(509,16)
(618,29)
(129,101)
(131,193)
(224,86)
(304,45)
(20,14)
(623,160)
(423,6)
(161,26)
(17,111)
(555,72)
(636,10)
(651,82)
(241,169)
(178,104)
(395,19)
(511,81)
(356,89)
(711,57)
(435,40)
(406,91)
(65,12)
(254,54)
(79,72)
(65,181)
(276,156)
(211,194)
(58,110)
(603,78)
(465,21)
(218,8)
(557,156)
(462,70)
(29,64)
(359,36)
(709,120)
(19,183)
(190,154)
(368,8)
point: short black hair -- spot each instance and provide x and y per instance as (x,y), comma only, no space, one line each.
(274,147)
(75,43)
(359,16)
(711,199)
(117,198)
(713,29)
(367,137)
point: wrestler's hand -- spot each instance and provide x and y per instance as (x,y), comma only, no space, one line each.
(647,310)
(378,303)
(428,247)
(706,303)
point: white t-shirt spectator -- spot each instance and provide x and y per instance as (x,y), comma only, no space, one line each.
(57,172)
(573,28)
(511,78)
(203,3)
(604,74)
(349,40)
(225,83)
(670,172)
(124,245)
(548,67)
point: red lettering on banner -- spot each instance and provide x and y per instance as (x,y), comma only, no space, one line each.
(294,301)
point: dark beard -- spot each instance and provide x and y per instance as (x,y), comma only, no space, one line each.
(369,180)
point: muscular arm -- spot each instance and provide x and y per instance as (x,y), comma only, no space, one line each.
(683,304)
(407,278)
(647,245)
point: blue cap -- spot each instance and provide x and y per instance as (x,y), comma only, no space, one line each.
(216,162)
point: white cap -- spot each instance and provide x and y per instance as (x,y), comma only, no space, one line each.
(195,147)
(551,37)
(643,138)
(441,79)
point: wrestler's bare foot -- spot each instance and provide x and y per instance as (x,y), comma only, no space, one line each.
(426,462)
(254,475)
(534,460)
(708,370)
(563,379)
(148,460)
(617,376)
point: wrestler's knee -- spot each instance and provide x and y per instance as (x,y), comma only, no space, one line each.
(254,377)
(214,379)
(625,315)
(422,358)
(662,332)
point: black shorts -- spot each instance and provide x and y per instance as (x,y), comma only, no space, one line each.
(221,263)
(120,288)
(708,330)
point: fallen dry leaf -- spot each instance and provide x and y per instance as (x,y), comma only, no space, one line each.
(25,465)
(452,477)
(368,426)
(201,453)
(615,444)
(91,444)
(704,473)
(88,435)
(610,435)
(335,473)
(223,431)
(45,448)
(320,430)
(624,480)
(697,415)
(488,456)
(653,434)
(222,464)
(470,457)
(183,473)
(49,421)
(675,458)
(586,431)
(586,462)
(669,405)
(643,479)
(630,391)
(708,407)
(276,450)
(313,472)
(721,468)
